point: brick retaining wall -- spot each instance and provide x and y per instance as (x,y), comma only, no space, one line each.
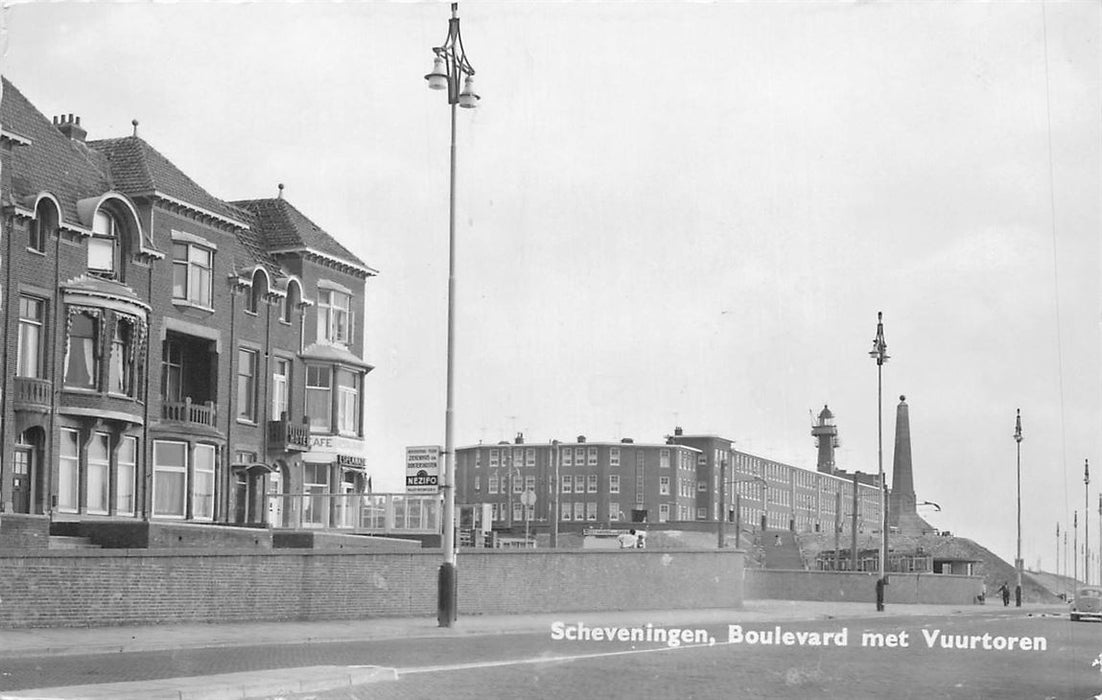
(134,587)
(841,586)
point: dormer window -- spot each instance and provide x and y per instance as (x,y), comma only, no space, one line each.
(333,316)
(103,246)
(43,226)
(192,267)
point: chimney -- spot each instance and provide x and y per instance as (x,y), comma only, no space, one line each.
(70,127)
(519,439)
(627,441)
(581,438)
(677,431)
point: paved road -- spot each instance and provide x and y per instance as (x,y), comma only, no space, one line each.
(1062,670)
(526,664)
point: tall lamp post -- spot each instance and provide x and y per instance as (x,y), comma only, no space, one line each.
(1086,520)
(1018,559)
(879,353)
(448,67)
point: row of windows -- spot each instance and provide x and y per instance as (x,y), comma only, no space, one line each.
(330,392)
(192,271)
(573,457)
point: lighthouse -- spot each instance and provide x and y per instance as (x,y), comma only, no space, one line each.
(826,439)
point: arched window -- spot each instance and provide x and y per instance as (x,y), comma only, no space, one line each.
(290,301)
(44,225)
(103,246)
(258,292)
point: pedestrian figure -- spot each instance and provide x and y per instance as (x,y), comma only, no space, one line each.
(982,597)
(880,583)
(641,543)
(777,541)
(627,540)
(1004,590)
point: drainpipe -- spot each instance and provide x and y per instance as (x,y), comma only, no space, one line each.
(9,384)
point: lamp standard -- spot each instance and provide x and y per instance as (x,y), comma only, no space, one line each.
(447,68)
(1018,559)
(879,353)
(1086,519)
(1075,548)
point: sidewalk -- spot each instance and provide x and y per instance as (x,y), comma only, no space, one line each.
(100,640)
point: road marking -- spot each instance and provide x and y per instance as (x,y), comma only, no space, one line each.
(544,659)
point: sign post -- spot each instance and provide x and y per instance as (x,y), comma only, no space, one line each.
(423,469)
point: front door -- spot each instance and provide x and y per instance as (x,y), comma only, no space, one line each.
(275,500)
(22,478)
(240,495)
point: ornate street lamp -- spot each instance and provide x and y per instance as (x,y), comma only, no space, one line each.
(1018,559)
(879,353)
(448,67)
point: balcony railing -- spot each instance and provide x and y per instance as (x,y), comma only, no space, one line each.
(33,392)
(187,412)
(284,435)
(373,514)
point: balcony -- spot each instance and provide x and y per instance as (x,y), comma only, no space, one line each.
(33,394)
(285,436)
(187,412)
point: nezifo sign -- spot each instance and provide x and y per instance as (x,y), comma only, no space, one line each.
(423,469)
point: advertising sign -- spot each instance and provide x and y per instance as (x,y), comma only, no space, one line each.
(423,469)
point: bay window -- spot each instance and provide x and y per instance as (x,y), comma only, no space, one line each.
(82,352)
(348,402)
(319,396)
(121,371)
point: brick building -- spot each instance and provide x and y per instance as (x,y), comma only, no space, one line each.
(601,484)
(170,355)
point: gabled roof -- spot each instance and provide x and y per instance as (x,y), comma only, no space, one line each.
(52,163)
(285,229)
(138,168)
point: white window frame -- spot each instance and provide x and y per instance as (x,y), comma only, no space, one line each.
(196,263)
(614,457)
(68,498)
(97,501)
(334,318)
(160,469)
(614,483)
(202,504)
(105,238)
(591,483)
(567,483)
(31,336)
(348,402)
(316,422)
(281,388)
(247,394)
(663,486)
(126,474)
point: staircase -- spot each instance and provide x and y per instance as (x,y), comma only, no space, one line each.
(781,550)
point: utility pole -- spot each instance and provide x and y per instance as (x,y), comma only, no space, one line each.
(1075,548)
(721,514)
(553,502)
(1086,517)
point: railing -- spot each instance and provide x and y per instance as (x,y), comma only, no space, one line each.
(379,513)
(188,412)
(33,391)
(285,435)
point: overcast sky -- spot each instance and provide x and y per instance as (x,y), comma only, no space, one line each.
(670,214)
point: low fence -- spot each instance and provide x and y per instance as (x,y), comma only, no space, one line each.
(840,586)
(93,588)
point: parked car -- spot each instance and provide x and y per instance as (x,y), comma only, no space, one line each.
(1087,603)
